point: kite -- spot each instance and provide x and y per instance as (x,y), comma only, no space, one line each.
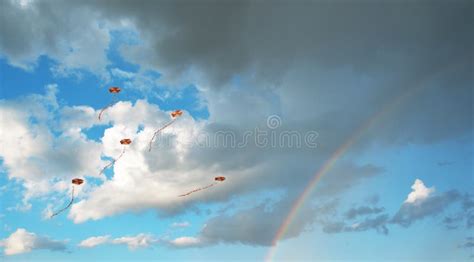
(75,181)
(217,178)
(174,115)
(124,142)
(114,91)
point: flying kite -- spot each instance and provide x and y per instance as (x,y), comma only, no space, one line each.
(75,181)
(174,115)
(114,91)
(124,142)
(217,178)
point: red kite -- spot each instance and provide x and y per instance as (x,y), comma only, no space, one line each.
(125,141)
(114,90)
(176,113)
(77,181)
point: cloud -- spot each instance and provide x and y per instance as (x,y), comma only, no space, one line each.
(311,69)
(181,224)
(469,243)
(186,242)
(134,242)
(37,157)
(362,210)
(116,72)
(420,192)
(445,163)
(94,241)
(77,118)
(75,42)
(192,166)
(141,240)
(21,241)
(420,203)
(379,223)
(464,215)
(257,225)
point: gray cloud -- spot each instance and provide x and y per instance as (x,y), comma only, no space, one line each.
(76,41)
(299,54)
(378,223)
(469,243)
(362,210)
(230,38)
(445,163)
(408,213)
(465,217)
(258,225)
(411,212)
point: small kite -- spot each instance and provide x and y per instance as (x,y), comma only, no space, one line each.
(114,91)
(75,181)
(217,178)
(124,142)
(174,115)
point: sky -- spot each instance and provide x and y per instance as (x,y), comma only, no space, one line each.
(343,129)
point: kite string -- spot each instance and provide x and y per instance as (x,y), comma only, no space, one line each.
(68,205)
(158,131)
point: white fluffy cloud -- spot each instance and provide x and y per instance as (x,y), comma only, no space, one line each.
(419,192)
(185,242)
(135,242)
(22,241)
(132,242)
(37,157)
(94,241)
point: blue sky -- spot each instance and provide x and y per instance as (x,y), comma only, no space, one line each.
(406,179)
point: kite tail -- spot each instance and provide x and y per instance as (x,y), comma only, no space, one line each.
(105,108)
(196,190)
(158,131)
(68,205)
(112,162)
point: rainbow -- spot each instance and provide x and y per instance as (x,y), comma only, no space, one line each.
(391,105)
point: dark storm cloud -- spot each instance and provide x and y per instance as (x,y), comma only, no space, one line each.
(226,38)
(331,60)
